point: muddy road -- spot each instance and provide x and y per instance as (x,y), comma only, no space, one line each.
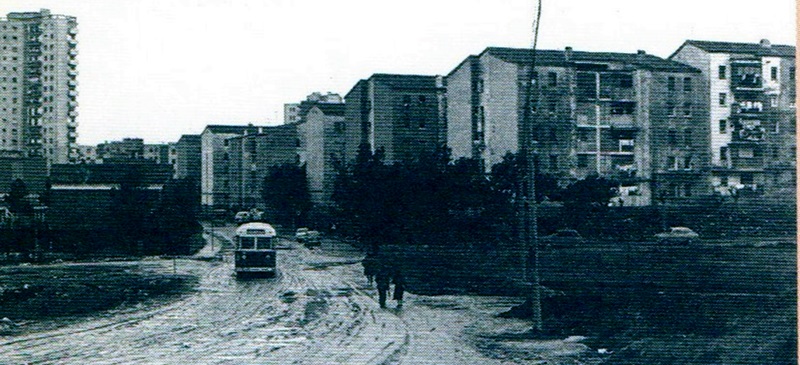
(318,310)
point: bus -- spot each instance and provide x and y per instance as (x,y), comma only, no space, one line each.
(255,249)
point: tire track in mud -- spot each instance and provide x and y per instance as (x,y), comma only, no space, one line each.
(230,321)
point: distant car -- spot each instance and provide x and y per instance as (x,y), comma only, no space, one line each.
(677,235)
(242,217)
(312,239)
(300,234)
(563,237)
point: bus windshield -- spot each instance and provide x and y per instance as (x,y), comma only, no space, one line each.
(247,243)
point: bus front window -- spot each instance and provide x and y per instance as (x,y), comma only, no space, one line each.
(247,243)
(264,243)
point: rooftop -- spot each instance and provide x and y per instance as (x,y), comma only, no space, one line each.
(568,56)
(233,129)
(763,48)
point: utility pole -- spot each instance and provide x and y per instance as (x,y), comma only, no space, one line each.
(526,189)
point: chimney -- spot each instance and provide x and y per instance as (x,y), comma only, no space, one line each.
(765,43)
(567,53)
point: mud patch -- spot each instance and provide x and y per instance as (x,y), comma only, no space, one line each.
(314,309)
(328,264)
(440,303)
(288,297)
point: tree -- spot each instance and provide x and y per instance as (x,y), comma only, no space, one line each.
(286,194)
(17,198)
(129,211)
(175,218)
(506,173)
(586,200)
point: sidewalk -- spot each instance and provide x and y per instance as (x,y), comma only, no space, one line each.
(214,244)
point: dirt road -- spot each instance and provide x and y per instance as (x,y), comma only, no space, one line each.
(318,310)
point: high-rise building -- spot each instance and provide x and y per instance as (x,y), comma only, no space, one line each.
(38,95)
(634,118)
(750,91)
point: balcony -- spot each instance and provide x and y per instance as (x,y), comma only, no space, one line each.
(72,134)
(72,63)
(73,104)
(72,123)
(73,31)
(72,93)
(72,83)
(72,72)
(749,131)
(73,52)
(72,41)
(73,113)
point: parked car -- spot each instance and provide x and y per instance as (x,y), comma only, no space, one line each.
(563,237)
(242,217)
(300,234)
(680,235)
(312,239)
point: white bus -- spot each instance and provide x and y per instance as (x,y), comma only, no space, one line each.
(255,249)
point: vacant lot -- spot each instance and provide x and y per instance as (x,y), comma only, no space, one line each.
(34,295)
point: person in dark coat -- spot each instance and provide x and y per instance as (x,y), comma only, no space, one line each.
(370,264)
(399,287)
(382,280)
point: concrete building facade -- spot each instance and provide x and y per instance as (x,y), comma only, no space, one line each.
(187,160)
(215,155)
(38,85)
(296,112)
(252,155)
(401,114)
(634,118)
(324,149)
(750,91)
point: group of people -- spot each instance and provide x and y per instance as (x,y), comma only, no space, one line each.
(384,276)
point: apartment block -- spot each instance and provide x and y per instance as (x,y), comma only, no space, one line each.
(215,156)
(252,155)
(401,114)
(38,85)
(324,148)
(296,112)
(635,118)
(750,92)
(86,154)
(187,159)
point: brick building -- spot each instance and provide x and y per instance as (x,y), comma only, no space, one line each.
(750,91)
(402,114)
(635,118)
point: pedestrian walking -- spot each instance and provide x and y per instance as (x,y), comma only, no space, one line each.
(382,280)
(399,287)
(370,264)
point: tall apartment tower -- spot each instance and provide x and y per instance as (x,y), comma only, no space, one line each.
(38,70)
(750,92)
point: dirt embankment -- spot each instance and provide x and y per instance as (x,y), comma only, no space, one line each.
(32,295)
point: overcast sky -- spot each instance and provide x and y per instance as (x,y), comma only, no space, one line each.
(159,69)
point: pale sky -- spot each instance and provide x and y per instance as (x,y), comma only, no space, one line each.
(159,69)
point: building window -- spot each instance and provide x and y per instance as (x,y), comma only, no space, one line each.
(687,190)
(671,109)
(422,98)
(671,83)
(791,73)
(479,86)
(687,163)
(297,142)
(553,162)
(773,74)
(746,179)
(723,99)
(672,163)
(552,79)
(723,180)
(722,72)
(687,84)
(687,136)
(687,108)
(672,138)
(746,153)
(723,126)
(723,153)
(583,161)
(552,134)
(622,107)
